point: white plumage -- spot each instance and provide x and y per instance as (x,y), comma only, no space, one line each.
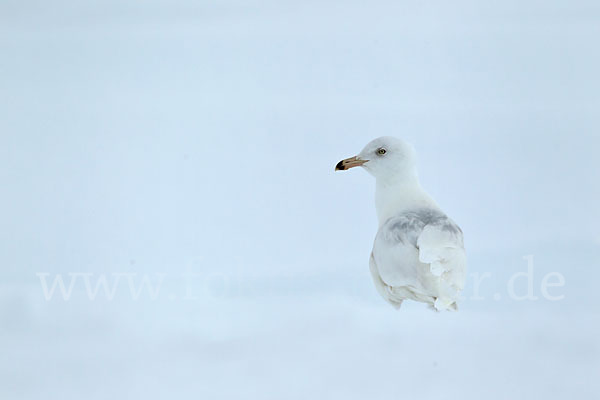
(418,252)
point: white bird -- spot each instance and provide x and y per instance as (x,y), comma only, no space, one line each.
(418,252)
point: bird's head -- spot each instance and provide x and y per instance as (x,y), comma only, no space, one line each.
(385,158)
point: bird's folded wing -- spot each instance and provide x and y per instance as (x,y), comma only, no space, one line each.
(440,245)
(423,250)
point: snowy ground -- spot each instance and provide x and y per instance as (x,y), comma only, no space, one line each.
(294,347)
(298,336)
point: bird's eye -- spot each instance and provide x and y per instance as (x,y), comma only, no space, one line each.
(381,151)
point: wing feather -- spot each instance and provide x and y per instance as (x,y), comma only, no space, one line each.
(421,251)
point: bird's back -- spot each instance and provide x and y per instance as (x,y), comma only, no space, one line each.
(419,254)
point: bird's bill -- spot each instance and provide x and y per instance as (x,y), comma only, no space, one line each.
(350,163)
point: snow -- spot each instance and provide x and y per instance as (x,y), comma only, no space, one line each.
(294,346)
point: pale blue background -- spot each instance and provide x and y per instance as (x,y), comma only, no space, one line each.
(165,136)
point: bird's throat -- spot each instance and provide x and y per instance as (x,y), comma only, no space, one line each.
(397,197)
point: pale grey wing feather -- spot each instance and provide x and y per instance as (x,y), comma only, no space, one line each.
(422,250)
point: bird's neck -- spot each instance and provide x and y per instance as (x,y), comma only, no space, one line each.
(393,196)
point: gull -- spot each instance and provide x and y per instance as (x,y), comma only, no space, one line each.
(418,253)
